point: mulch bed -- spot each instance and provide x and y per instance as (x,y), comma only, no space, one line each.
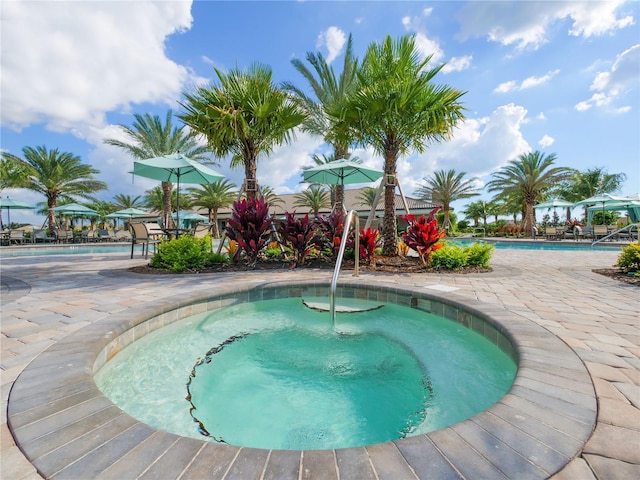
(616,274)
(380,264)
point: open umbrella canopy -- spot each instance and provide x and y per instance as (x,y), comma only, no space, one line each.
(175,168)
(341,172)
(75,210)
(189,218)
(554,203)
(600,201)
(127,213)
(8,204)
(632,207)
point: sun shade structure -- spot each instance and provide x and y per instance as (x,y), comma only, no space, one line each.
(75,210)
(127,213)
(600,200)
(176,168)
(341,172)
(7,204)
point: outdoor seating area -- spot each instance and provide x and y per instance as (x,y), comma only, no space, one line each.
(611,233)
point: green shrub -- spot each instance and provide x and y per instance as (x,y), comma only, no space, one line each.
(479,254)
(449,257)
(215,258)
(184,253)
(629,259)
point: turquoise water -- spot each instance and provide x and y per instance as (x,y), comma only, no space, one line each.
(539,245)
(275,375)
(66,250)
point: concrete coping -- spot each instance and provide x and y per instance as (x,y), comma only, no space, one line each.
(67,428)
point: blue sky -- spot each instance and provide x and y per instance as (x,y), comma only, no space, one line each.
(559,77)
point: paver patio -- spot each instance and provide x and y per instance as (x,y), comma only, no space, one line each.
(44,299)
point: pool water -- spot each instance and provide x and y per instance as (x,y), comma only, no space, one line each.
(274,374)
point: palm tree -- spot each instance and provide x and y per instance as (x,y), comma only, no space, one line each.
(121,201)
(367,196)
(529,177)
(213,197)
(594,181)
(397,108)
(271,197)
(246,115)
(314,198)
(151,138)
(477,210)
(445,187)
(153,199)
(57,175)
(13,174)
(330,91)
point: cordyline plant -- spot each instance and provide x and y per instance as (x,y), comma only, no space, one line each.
(369,241)
(298,234)
(423,234)
(332,228)
(250,226)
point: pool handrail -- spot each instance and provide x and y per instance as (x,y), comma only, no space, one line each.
(336,270)
(637,225)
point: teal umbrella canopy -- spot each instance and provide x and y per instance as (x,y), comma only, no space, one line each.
(632,207)
(189,217)
(175,168)
(599,200)
(75,210)
(127,213)
(8,204)
(341,172)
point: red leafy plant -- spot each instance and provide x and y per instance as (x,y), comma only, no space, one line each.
(250,226)
(369,242)
(298,234)
(332,228)
(423,234)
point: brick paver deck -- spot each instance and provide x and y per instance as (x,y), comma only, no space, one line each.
(46,299)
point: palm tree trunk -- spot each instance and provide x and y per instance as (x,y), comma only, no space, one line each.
(339,201)
(216,232)
(167,220)
(389,223)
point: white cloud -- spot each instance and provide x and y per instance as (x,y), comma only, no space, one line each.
(333,39)
(541,116)
(479,146)
(620,79)
(426,46)
(457,64)
(529,82)
(546,141)
(525,25)
(66,70)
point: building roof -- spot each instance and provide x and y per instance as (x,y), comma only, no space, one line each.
(351,202)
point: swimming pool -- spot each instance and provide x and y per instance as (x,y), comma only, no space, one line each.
(79,249)
(537,244)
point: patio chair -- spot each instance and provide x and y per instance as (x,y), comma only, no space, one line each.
(551,233)
(16,237)
(144,235)
(89,236)
(64,236)
(41,236)
(123,236)
(600,231)
(105,235)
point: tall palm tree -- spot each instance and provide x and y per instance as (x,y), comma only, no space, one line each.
(529,177)
(445,187)
(397,108)
(314,198)
(13,174)
(594,181)
(121,201)
(153,199)
(149,138)
(57,175)
(330,91)
(245,115)
(271,197)
(213,196)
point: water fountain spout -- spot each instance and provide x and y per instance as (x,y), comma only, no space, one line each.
(336,271)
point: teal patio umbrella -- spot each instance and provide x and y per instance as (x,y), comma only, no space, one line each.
(555,203)
(189,217)
(599,200)
(7,204)
(341,172)
(630,205)
(176,168)
(127,213)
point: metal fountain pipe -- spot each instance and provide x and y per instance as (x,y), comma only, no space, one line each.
(336,270)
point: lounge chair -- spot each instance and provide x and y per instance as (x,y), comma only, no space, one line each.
(202,229)
(89,236)
(64,236)
(145,234)
(41,236)
(123,236)
(600,231)
(106,235)
(16,236)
